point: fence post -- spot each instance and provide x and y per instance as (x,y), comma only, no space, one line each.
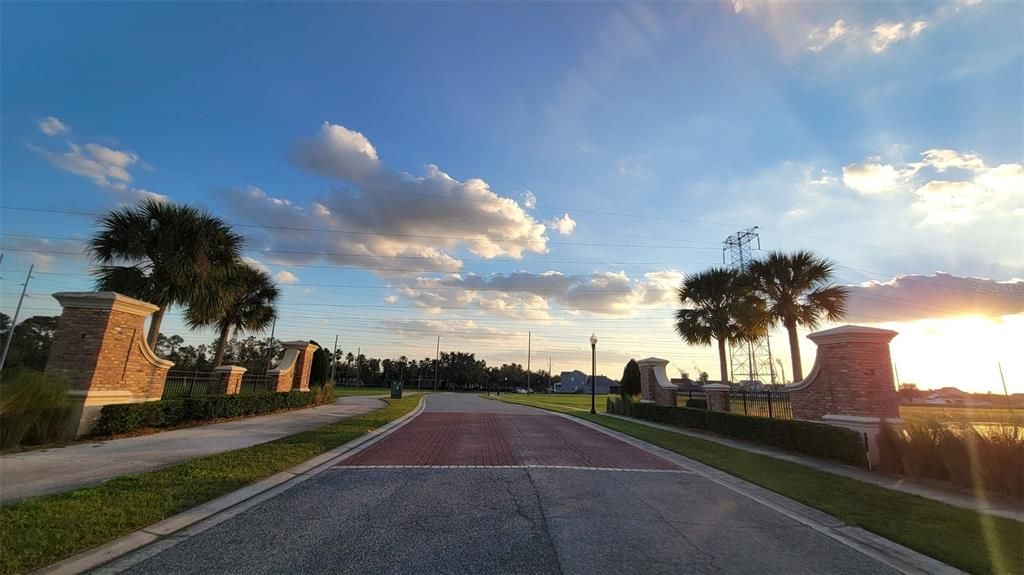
(769,405)
(718,396)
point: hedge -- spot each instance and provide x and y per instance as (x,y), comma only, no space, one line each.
(807,437)
(695,403)
(126,417)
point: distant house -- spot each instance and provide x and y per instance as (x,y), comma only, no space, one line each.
(953,396)
(578,382)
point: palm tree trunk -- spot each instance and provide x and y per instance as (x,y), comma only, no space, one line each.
(722,365)
(794,353)
(154,328)
(222,344)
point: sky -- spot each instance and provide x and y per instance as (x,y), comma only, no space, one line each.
(498,173)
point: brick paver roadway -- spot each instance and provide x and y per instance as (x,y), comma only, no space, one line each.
(478,486)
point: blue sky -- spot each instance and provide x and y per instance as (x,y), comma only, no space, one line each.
(603,149)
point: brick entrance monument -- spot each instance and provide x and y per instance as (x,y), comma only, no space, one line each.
(100,350)
(655,386)
(851,383)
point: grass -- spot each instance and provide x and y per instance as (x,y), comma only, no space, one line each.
(353,391)
(945,413)
(37,532)
(972,541)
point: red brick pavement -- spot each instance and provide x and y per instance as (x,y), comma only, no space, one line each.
(503,439)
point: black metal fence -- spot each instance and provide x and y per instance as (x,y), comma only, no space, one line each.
(257,383)
(184,383)
(774,404)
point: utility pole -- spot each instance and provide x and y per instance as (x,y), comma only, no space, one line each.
(14,320)
(549,374)
(437,361)
(529,355)
(334,358)
(270,344)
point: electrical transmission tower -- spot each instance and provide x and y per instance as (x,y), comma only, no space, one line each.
(748,361)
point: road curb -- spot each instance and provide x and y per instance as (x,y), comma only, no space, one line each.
(131,549)
(896,556)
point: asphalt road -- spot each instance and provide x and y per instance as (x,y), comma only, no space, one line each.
(547,506)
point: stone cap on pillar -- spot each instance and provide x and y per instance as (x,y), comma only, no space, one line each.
(232,369)
(298,344)
(852,333)
(657,366)
(716,387)
(104,300)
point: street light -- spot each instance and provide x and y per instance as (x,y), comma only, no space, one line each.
(593,373)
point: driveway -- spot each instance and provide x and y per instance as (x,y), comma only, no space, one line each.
(47,471)
(477,486)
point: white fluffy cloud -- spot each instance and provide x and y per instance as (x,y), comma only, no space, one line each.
(913,297)
(52,126)
(532,295)
(106,167)
(389,220)
(886,34)
(286,277)
(818,39)
(564,225)
(873,178)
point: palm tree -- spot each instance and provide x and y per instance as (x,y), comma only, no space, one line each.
(246,305)
(162,253)
(798,291)
(718,304)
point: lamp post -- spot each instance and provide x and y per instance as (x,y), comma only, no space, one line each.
(593,373)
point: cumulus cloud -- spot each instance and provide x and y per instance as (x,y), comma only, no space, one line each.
(951,187)
(940,295)
(565,225)
(255,263)
(106,167)
(52,126)
(533,295)
(388,220)
(873,178)
(286,277)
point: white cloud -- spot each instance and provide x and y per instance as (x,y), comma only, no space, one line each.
(532,295)
(529,200)
(255,263)
(392,299)
(943,160)
(106,167)
(565,225)
(873,178)
(817,39)
(886,34)
(390,221)
(286,277)
(42,252)
(52,126)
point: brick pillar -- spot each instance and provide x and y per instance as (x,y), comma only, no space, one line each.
(655,386)
(718,396)
(851,383)
(230,378)
(293,371)
(100,349)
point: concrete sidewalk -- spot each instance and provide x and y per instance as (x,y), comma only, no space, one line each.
(998,505)
(48,471)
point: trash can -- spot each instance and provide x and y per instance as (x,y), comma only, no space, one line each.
(396,390)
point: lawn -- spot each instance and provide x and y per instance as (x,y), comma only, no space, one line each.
(37,532)
(972,541)
(962,414)
(353,391)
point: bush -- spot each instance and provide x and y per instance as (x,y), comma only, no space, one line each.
(34,408)
(697,403)
(127,417)
(807,437)
(958,453)
(630,384)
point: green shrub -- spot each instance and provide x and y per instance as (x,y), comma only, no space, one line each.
(697,403)
(807,437)
(127,417)
(34,408)
(630,384)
